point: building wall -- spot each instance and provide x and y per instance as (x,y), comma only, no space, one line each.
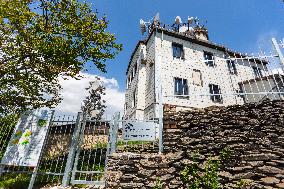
(150,98)
(143,83)
(130,110)
(219,74)
(160,66)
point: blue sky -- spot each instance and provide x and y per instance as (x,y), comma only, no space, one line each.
(238,24)
(241,25)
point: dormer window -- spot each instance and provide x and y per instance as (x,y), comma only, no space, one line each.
(209,58)
(178,50)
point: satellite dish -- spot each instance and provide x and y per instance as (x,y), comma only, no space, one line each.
(196,20)
(178,20)
(157,18)
(191,30)
(142,26)
(190,20)
(183,29)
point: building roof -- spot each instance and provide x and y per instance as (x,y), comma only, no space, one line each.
(205,43)
(133,52)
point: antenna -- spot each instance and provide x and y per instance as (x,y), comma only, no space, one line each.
(196,20)
(157,18)
(178,20)
(190,20)
(142,26)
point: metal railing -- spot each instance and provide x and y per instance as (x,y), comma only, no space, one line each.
(74,152)
(254,79)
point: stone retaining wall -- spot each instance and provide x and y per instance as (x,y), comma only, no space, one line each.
(250,136)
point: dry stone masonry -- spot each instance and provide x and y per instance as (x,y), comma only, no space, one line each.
(250,137)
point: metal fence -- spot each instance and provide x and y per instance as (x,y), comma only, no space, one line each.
(230,79)
(74,152)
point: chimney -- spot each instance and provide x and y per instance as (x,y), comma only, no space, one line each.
(201,33)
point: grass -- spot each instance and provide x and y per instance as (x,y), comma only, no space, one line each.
(14,181)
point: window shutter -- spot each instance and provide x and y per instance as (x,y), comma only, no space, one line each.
(211,92)
(185,87)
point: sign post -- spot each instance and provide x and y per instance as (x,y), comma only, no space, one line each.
(139,131)
(27,140)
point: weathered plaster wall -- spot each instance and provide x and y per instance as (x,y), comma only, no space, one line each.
(254,134)
(161,66)
(194,60)
(142,83)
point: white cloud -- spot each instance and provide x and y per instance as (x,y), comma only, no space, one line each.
(74,93)
(264,41)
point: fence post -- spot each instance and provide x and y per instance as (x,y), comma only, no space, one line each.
(32,181)
(161,124)
(278,51)
(72,151)
(113,139)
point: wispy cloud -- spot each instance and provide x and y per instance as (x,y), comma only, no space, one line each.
(74,92)
(264,41)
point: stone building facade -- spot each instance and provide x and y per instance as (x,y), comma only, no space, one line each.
(180,64)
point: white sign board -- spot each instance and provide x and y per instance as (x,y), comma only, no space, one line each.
(139,131)
(27,140)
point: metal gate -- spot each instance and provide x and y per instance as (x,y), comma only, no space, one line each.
(74,152)
(87,155)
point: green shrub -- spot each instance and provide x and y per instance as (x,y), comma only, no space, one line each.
(14,181)
(195,177)
(158,184)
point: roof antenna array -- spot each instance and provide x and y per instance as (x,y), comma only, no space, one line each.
(178,20)
(143,26)
(149,25)
(157,19)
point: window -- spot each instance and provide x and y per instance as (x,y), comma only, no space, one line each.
(134,99)
(257,71)
(216,91)
(232,67)
(129,80)
(133,73)
(241,92)
(135,68)
(209,58)
(127,84)
(177,51)
(197,78)
(181,87)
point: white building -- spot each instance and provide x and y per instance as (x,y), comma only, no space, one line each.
(187,63)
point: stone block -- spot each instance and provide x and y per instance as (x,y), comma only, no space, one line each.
(270,180)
